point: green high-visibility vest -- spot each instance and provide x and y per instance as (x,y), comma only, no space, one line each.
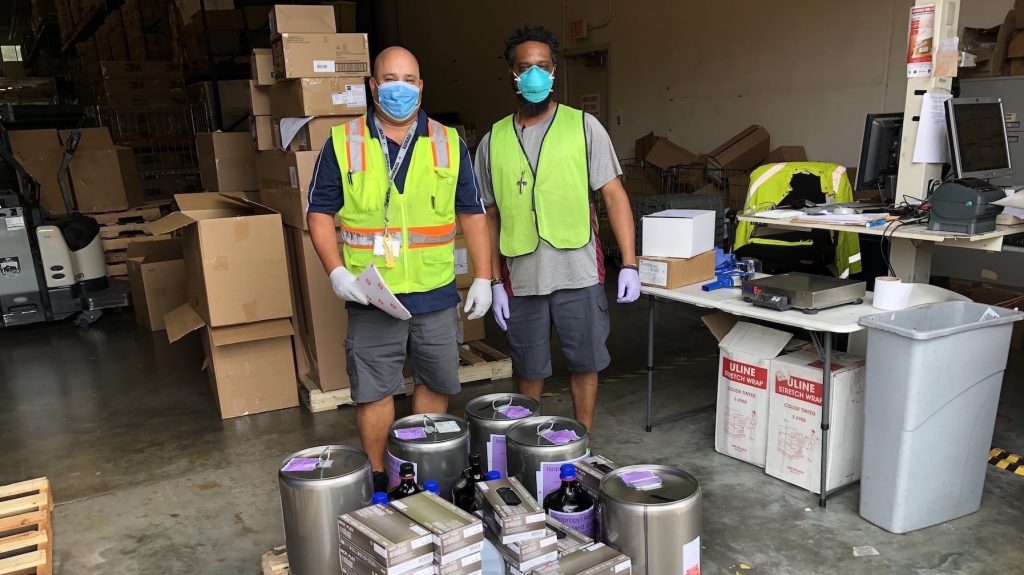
(422,218)
(550,203)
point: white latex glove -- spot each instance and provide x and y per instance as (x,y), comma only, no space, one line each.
(478,300)
(345,287)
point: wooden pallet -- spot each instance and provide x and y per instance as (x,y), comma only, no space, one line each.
(275,562)
(115,244)
(26,537)
(478,360)
(149,213)
(119,229)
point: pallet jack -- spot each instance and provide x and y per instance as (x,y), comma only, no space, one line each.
(50,268)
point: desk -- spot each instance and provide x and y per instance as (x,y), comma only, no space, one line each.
(842,319)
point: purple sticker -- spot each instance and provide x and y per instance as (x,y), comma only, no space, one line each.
(582,521)
(560,437)
(301,464)
(496,457)
(641,479)
(515,412)
(411,433)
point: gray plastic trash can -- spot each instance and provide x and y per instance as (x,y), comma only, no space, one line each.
(933,379)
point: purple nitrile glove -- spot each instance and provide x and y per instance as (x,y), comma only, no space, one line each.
(499,305)
(629,285)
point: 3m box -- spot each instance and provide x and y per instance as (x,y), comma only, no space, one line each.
(261,64)
(156,274)
(302,19)
(594,559)
(678,233)
(519,519)
(259,99)
(591,470)
(794,420)
(672,273)
(261,128)
(391,538)
(321,56)
(569,540)
(310,137)
(468,565)
(744,151)
(530,552)
(227,161)
(355,561)
(516,567)
(234,258)
(456,533)
(745,362)
(342,96)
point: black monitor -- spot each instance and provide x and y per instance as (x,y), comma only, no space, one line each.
(880,154)
(977,138)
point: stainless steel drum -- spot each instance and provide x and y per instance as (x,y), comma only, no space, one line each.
(539,445)
(317,485)
(438,445)
(658,528)
(489,418)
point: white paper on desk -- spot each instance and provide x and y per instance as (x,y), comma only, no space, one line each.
(931,145)
(779,214)
(378,295)
(290,127)
(857,219)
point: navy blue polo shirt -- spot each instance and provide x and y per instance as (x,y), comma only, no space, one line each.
(326,196)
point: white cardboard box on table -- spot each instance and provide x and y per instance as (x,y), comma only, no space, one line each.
(678,233)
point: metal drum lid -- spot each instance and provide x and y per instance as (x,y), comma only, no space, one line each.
(503,407)
(428,428)
(547,431)
(324,462)
(634,484)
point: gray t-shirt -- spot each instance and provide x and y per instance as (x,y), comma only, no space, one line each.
(550,269)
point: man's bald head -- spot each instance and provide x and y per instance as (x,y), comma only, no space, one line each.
(396,63)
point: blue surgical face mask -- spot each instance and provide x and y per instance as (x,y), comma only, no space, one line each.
(535,84)
(399,100)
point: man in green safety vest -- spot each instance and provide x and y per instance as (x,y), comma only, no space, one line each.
(398,179)
(538,170)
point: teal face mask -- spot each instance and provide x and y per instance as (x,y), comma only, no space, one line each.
(535,84)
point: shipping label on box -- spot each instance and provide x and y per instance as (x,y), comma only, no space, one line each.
(745,361)
(794,420)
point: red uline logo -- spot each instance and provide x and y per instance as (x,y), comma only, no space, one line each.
(797,388)
(745,373)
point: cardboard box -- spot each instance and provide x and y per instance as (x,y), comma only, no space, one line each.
(289,202)
(259,99)
(261,64)
(250,366)
(235,260)
(39,152)
(131,70)
(261,128)
(469,330)
(746,354)
(235,102)
(666,154)
(391,538)
(465,273)
(787,154)
(569,540)
(156,274)
(456,533)
(311,137)
(321,55)
(90,139)
(591,470)
(510,523)
(355,561)
(141,92)
(468,565)
(302,19)
(678,233)
(794,420)
(594,559)
(672,273)
(744,151)
(514,566)
(277,169)
(105,180)
(227,161)
(342,96)
(539,549)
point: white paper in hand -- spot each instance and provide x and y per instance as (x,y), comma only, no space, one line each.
(378,295)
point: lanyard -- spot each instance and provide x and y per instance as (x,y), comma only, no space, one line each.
(399,160)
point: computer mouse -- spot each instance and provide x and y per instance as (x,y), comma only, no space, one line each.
(843,211)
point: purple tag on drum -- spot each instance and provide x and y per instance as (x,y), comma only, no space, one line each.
(409,433)
(560,437)
(641,479)
(515,412)
(301,464)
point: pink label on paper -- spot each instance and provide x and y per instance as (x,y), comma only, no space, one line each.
(560,437)
(411,433)
(301,464)
(515,412)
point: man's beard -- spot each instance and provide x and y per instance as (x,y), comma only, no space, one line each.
(528,109)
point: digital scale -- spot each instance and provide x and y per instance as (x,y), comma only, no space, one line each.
(805,292)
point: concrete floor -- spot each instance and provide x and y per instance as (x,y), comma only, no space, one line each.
(148,479)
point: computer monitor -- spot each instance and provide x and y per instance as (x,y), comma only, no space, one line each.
(880,154)
(977,138)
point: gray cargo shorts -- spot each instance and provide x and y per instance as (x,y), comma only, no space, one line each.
(377,345)
(581,318)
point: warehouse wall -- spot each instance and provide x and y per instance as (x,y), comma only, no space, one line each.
(695,71)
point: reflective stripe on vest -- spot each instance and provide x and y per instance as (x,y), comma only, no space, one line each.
(419,237)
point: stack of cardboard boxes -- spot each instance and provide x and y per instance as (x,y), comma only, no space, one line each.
(678,248)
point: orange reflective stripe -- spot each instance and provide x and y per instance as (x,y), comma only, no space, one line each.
(423,230)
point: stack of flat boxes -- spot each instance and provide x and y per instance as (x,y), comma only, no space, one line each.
(678,248)
(378,540)
(517,525)
(457,535)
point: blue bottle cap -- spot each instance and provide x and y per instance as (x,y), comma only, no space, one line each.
(567,471)
(379,498)
(432,486)
(493,474)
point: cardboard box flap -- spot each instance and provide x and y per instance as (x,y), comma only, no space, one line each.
(756,340)
(205,206)
(169,223)
(157,250)
(244,201)
(182,321)
(720,324)
(733,140)
(665,154)
(232,334)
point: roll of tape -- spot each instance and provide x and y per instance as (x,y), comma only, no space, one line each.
(891,293)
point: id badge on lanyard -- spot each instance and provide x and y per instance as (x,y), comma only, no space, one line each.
(389,244)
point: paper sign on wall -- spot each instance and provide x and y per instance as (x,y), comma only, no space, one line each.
(921,40)
(591,103)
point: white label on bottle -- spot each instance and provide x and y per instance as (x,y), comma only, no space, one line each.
(654,273)
(582,521)
(323,66)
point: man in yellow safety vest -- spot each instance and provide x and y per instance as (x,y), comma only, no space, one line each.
(398,180)
(538,169)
